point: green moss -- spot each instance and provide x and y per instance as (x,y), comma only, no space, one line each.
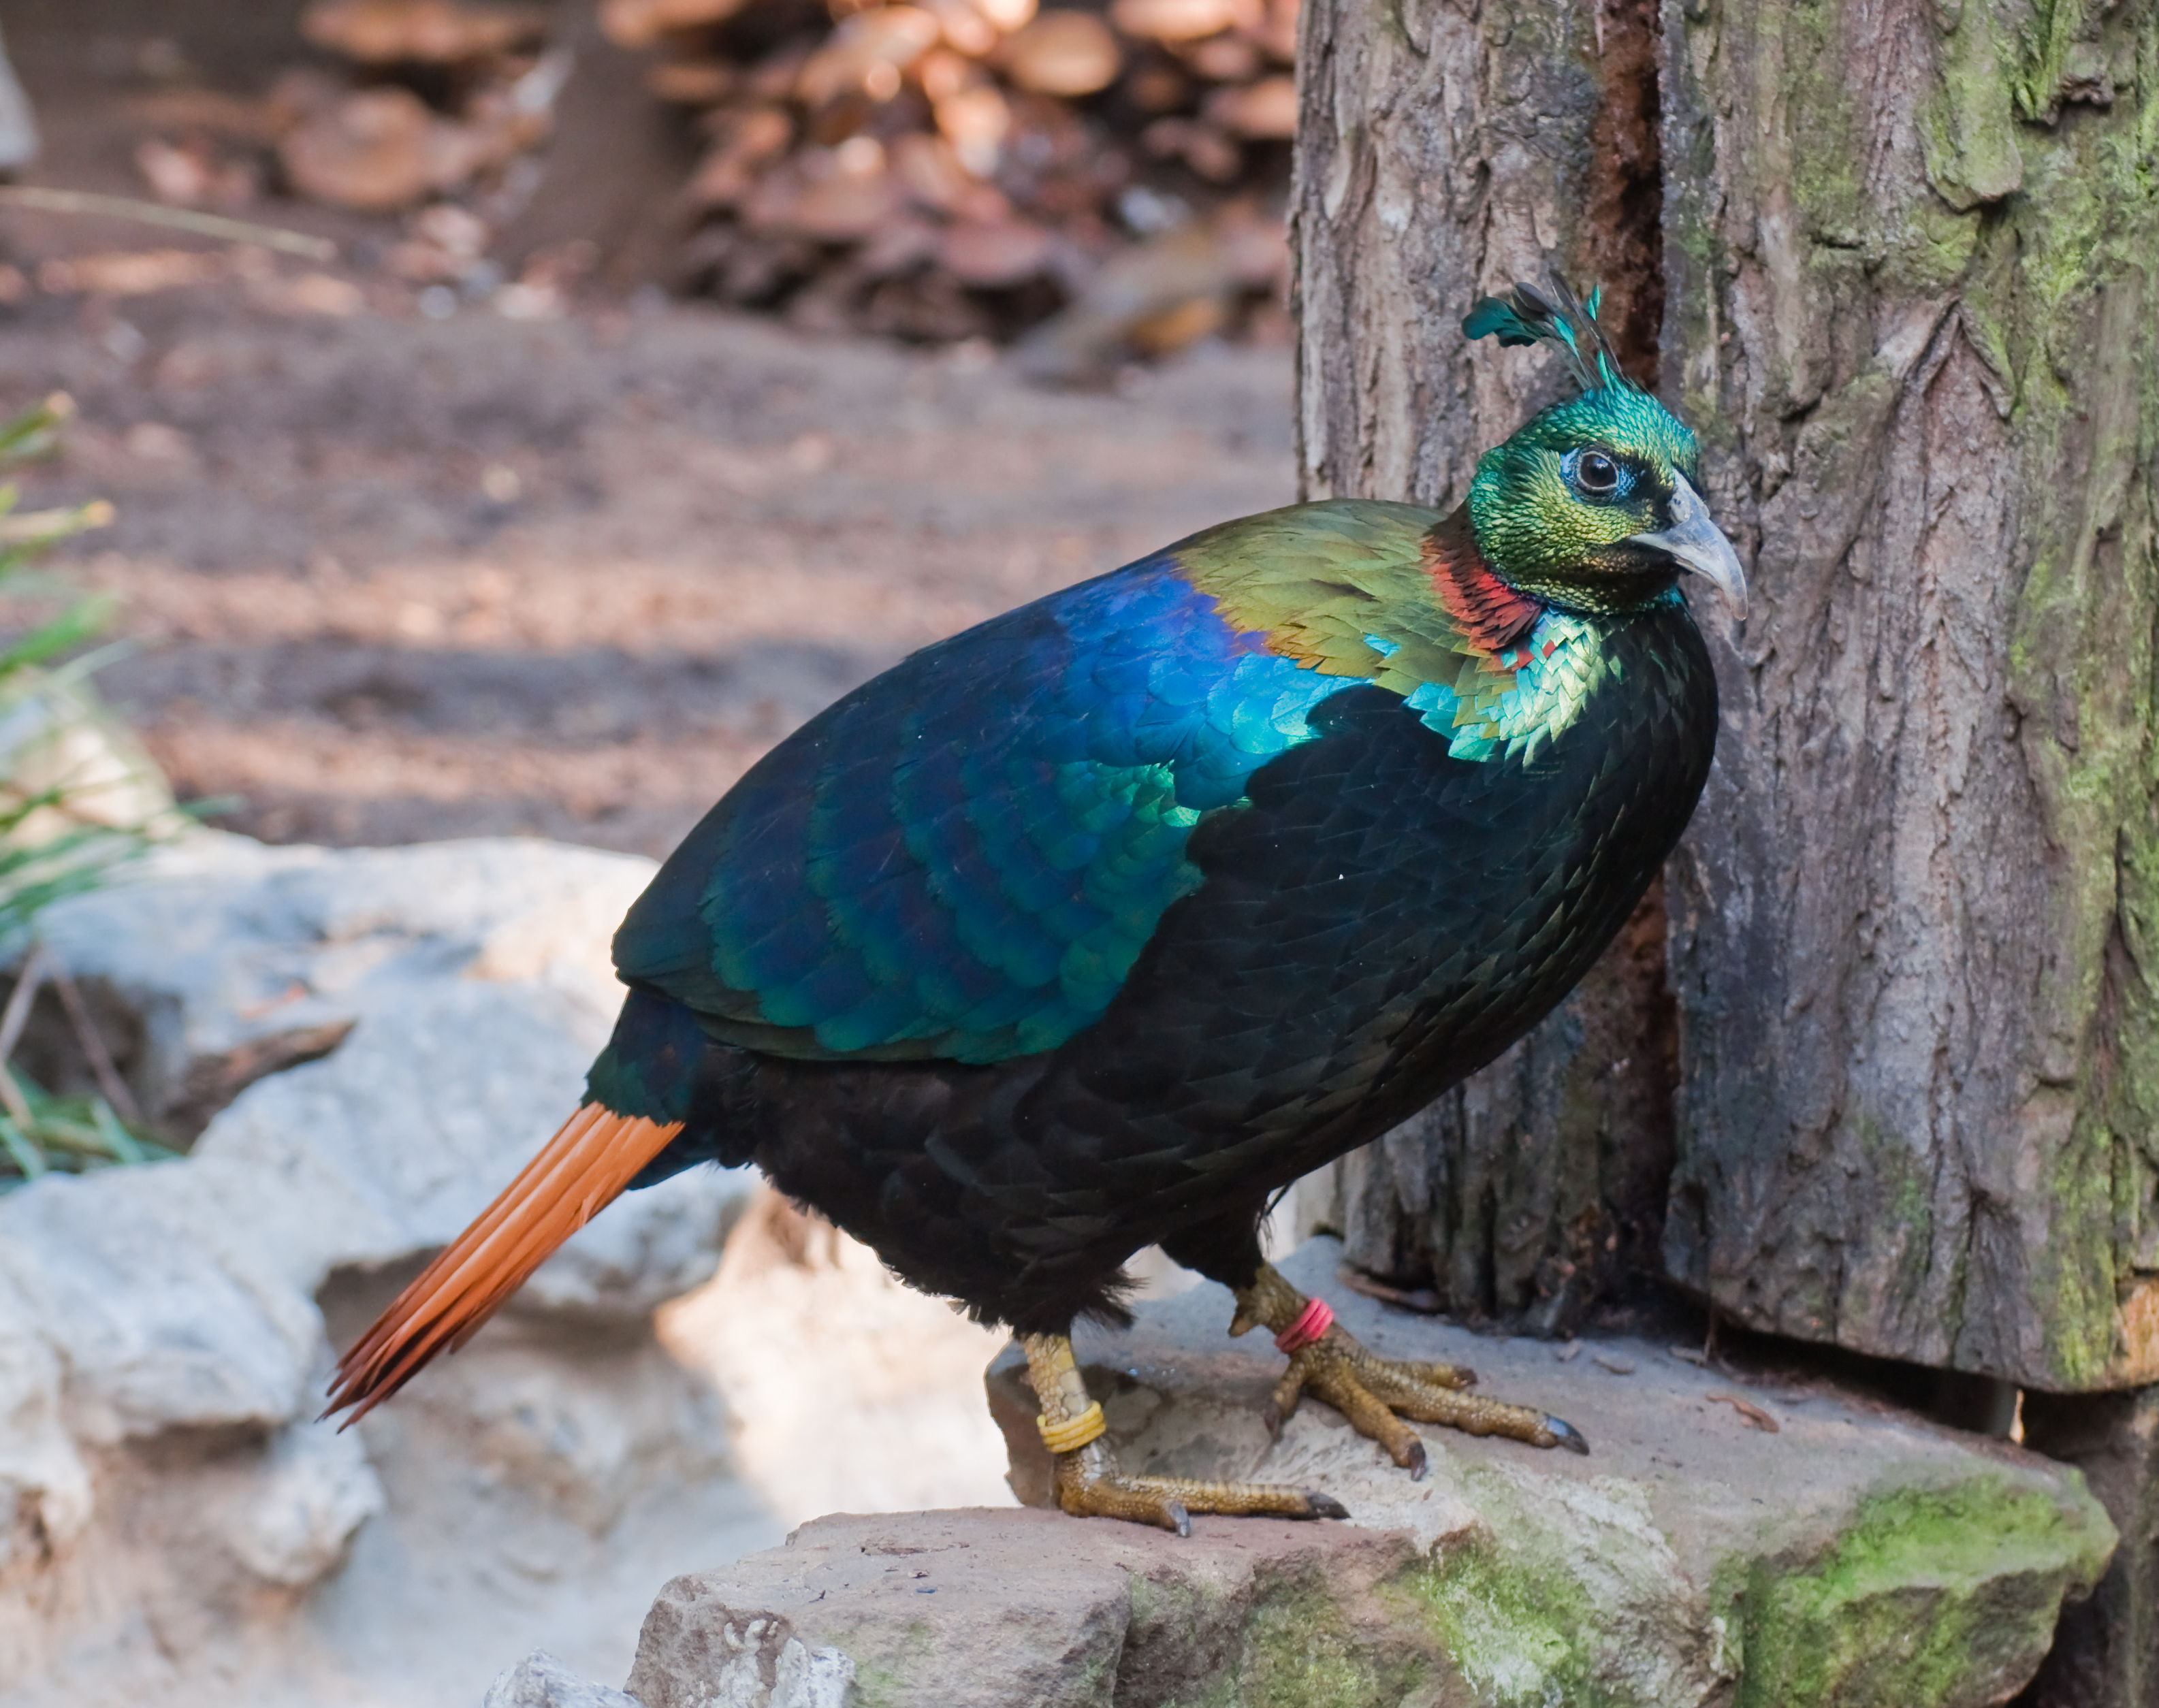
(1808,75)
(1298,1647)
(1518,1632)
(1968,131)
(1925,1599)
(2049,32)
(887,1671)
(1937,252)
(1899,1196)
(1299,1652)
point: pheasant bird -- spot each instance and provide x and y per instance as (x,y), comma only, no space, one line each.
(1094,926)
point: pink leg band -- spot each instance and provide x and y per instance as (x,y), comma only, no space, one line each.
(1315,1321)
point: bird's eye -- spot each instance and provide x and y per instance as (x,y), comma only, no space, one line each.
(1596,473)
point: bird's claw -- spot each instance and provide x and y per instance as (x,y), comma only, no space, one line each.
(1566,1435)
(1377,1394)
(1089,1485)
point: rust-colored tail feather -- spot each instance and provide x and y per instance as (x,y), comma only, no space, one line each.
(579,1172)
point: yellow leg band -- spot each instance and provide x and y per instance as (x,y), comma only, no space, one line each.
(1074,1433)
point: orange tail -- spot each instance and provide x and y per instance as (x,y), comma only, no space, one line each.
(580,1171)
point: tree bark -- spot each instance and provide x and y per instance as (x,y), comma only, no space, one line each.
(1907,258)
(1897,278)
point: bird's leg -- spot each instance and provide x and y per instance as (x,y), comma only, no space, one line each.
(1089,1482)
(1373,1393)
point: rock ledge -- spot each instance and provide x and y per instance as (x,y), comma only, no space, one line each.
(1854,1555)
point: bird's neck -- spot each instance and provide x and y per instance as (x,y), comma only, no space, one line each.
(1491,615)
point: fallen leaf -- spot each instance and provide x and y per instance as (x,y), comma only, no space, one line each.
(639,24)
(1754,1414)
(370,152)
(1422,1300)
(131,273)
(994,254)
(868,52)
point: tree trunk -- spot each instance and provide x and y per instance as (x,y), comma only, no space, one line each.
(1905,259)
(1900,287)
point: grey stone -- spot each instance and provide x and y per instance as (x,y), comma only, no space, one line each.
(475,979)
(2106,1651)
(165,1498)
(977,1608)
(313,1489)
(145,1281)
(541,1681)
(45,1497)
(1855,1555)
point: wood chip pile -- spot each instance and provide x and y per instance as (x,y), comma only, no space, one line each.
(949,169)
(448,97)
(1097,180)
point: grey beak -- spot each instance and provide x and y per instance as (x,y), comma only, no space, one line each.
(1698,543)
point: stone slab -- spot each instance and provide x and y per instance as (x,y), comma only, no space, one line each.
(1855,1555)
(976,1608)
(2106,1652)
(1851,1555)
(541,1681)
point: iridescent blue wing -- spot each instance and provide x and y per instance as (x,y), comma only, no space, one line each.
(963,858)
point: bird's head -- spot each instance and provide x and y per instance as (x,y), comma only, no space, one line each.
(1594,505)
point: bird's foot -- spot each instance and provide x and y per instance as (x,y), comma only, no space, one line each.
(1377,1394)
(1090,1483)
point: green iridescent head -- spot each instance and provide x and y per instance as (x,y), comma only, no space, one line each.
(1595,504)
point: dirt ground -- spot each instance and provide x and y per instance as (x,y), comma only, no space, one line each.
(387,577)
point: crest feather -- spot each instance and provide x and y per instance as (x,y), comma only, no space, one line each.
(1527,315)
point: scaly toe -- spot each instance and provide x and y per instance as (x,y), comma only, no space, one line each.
(1376,1395)
(1092,1490)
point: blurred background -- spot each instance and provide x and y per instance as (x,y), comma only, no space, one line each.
(513,419)
(367,495)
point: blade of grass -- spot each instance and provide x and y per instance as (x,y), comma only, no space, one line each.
(12,1099)
(17,1014)
(26,1156)
(47,527)
(117,1138)
(93,1046)
(34,432)
(70,629)
(76,201)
